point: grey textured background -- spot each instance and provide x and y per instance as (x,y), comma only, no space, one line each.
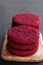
(8,8)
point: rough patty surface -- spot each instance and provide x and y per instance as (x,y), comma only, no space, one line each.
(21,47)
(21,52)
(23,34)
(28,19)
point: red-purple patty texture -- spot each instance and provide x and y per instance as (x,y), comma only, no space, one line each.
(21,53)
(23,34)
(21,47)
(28,19)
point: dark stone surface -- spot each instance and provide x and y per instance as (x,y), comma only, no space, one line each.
(8,8)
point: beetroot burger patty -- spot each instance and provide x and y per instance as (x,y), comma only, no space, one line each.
(28,19)
(22,40)
(23,34)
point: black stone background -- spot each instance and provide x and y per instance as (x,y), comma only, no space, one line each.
(9,8)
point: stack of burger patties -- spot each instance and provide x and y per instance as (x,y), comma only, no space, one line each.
(23,36)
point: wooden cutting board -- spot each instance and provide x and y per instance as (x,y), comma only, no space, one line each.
(37,57)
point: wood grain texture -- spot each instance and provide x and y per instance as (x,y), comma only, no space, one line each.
(37,57)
